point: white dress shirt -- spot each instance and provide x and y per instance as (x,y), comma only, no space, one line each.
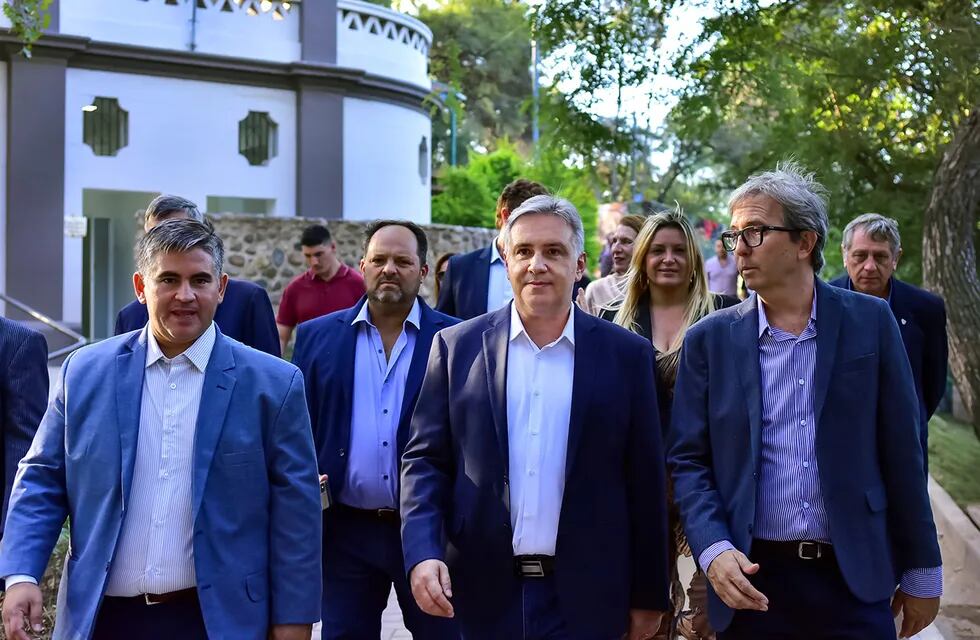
(499,291)
(539,404)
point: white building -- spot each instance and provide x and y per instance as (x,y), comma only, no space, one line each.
(311,108)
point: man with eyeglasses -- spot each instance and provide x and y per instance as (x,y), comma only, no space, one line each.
(871,248)
(794,441)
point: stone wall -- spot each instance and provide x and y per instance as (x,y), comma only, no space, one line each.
(265,249)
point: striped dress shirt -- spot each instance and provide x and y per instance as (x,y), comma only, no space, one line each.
(789,501)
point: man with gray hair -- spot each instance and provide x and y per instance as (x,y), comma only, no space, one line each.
(871,248)
(794,441)
(533,493)
(244,314)
(185,464)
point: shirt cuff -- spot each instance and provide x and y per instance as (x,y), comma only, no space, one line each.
(712,552)
(17,578)
(923,583)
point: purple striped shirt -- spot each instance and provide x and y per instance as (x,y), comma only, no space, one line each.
(789,502)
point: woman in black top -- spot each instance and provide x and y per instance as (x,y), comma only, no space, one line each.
(666,292)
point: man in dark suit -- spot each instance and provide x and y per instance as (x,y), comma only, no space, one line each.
(363,368)
(871,248)
(245,314)
(794,442)
(533,493)
(23,395)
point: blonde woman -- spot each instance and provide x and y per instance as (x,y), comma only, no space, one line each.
(666,292)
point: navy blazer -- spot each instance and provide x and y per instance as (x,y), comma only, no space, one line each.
(455,501)
(324,352)
(245,314)
(921,317)
(23,396)
(867,447)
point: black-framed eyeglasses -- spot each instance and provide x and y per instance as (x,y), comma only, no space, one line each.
(751,236)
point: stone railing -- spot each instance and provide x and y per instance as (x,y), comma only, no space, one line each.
(382,42)
(266,250)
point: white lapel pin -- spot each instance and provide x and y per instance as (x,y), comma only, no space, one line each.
(904,321)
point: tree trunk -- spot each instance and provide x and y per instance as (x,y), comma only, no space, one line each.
(949,258)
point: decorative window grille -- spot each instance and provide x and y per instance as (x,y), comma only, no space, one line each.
(105,126)
(258,138)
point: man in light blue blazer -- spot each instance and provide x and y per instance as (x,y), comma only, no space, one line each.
(185,464)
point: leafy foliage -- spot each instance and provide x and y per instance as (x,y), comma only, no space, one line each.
(28,19)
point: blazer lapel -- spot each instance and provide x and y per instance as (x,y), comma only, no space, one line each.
(587,359)
(828,328)
(495,355)
(477,286)
(431,323)
(130,366)
(215,398)
(344,359)
(745,340)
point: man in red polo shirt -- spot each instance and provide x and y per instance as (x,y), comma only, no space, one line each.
(328,286)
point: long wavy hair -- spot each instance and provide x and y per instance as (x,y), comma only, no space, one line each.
(700,302)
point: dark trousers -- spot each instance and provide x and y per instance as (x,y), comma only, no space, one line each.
(128,618)
(362,559)
(808,600)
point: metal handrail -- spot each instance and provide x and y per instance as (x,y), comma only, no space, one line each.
(80,340)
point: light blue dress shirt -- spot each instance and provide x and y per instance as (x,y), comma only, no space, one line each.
(789,500)
(379,388)
(499,291)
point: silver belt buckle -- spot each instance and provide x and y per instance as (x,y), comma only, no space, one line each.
(532,568)
(149,603)
(801,550)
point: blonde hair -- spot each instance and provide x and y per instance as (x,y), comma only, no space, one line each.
(700,302)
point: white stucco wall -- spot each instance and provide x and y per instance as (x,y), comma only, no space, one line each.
(381,161)
(383,42)
(183,139)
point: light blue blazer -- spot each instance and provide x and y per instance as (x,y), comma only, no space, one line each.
(255,491)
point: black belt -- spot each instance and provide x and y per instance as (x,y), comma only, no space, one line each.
(159,598)
(534,566)
(385,515)
(802,550)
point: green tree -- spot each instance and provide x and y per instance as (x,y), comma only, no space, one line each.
(464,199)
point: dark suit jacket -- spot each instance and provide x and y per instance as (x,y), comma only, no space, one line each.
(455,500)
(324,352)
(23,396)
(465,285)
(921,320)
(867,449)
(245,315)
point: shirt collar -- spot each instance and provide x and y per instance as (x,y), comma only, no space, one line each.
(341,272)
(494,253)
(199,353)
(414,316)
(517,327)
(764,322)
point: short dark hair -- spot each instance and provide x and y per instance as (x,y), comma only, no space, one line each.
(164,205)
(517,192)
(180,235)
(420,238)
(312,236)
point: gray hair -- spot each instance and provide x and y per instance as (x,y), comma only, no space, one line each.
(878,227)
(164,205)
(181,236)
(551,206)
(804,201)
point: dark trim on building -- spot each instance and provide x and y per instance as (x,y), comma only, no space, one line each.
(36,181)
(85,53)
(318,31)
(319,153)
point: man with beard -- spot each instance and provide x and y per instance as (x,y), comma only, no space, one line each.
(363,369)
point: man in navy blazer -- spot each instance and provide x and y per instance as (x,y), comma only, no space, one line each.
(363,369)
(244,314)
(23,394)
(185,464)
(794,446)
(533,494)
(871,248)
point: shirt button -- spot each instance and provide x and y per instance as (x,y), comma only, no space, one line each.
(385,476)
(379,350)
(801,381)
(384,443)
(384,411)
(803,422)
(173,386)
(806,505)
(806,465)
(531,472)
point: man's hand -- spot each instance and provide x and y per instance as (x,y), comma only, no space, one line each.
(644,624)
(290,632)
(917,613)
(727,575)
(21,605)
(432,588)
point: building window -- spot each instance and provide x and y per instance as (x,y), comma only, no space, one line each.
(105,126)
(424,160)
(258,137)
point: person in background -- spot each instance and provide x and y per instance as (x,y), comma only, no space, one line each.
(245,313)
(722,271)
(665,293)
(609,289)
(442,265)
(328,285)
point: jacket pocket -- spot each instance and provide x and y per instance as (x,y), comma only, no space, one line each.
(257,586)
(877,501)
